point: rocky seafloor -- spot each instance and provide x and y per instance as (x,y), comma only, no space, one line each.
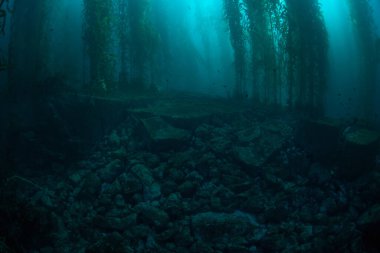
(236,183)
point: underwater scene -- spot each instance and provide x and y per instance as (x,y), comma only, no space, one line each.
(189,126)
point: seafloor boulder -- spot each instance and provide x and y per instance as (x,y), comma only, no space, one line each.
(352,148)
(320,138)
(256,145)
(369,224)
(359,152)
(163,134)
(211,226)
(370,217)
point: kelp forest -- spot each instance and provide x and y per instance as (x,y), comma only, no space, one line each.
(280,49)
(189,126)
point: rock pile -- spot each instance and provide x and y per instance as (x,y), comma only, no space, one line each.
(220,187)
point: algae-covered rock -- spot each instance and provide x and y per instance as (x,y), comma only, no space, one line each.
(130,184)
(143,173)
(151,189)
(359,152)
(90,187)
(362,137)
(110,171)
(371,217)
(120,153)
(258,144)
(249,135)
(248,156)
(114,138)
(320,137)
(163,134)
(152,215)
(369,225)
(212,225)
(114,223)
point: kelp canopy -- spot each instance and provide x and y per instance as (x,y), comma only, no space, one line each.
(278,49)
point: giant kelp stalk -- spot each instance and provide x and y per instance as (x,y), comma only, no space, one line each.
(98,32)
(288,52)
(29,51)
(307,55)
(3,24)
(3,18)
(143,42)
(361,15)
(234,17)
(123,42)
(267,29)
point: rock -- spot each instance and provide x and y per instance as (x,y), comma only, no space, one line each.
(318,174)
(119,200)
(320,138)
(120,154)
(173,205)
(167,234)
(111,189)
(362,137)
(187,189)
(174,174)
(216,204)
(248,156)
(261,146)
(275,243)
(201,247)
(249,135)
(212,226)
(183,236)
(114,138)
(140,231)
(307,232)
(130,184)
(275,214)
(169,187)
(370,218)
(151,160)
(152,215)
(369,225)
(203,131)
(115,223)
(255,203)
(329,206)
(43,198)
(90,187)
(194,176)
(152,192)
(110,171)
(356,154)
(359,152)
(163,134)
(151,189)
(77,176)
(143,173)
(113,242)
(220,144)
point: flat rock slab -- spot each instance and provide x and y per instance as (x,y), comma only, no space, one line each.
(321,138)
(163,134)
(257,147)
(189,107)
(188,112)
(214,226)
(362,137)
(370,217)
(359,152)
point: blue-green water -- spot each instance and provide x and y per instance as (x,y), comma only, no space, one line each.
(237,126)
